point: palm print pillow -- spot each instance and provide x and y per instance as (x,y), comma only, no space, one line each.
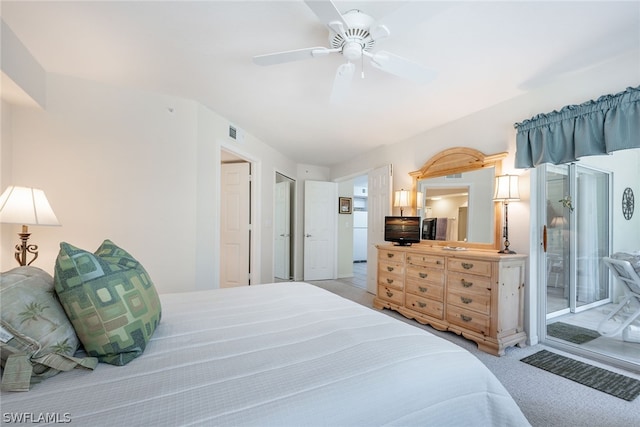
(37,339)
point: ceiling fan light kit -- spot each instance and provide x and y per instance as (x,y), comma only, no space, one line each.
(353,35)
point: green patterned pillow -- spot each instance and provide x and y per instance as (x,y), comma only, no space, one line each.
(109,299)
(36,338)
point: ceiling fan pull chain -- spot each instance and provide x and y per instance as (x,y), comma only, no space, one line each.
(362,66)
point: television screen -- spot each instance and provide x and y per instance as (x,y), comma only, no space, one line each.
(402,230)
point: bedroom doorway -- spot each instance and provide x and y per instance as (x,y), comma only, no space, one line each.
(283,227)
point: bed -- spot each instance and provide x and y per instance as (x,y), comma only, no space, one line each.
(285,354)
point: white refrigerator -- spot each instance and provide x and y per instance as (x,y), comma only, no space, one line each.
(359,236)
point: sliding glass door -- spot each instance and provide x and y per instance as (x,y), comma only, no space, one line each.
(577,238)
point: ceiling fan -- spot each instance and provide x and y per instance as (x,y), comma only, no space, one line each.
(353,35)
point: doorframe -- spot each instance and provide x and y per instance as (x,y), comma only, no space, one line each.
(292,225)
(538,329)
(340,180)
(255,259)
(370,262)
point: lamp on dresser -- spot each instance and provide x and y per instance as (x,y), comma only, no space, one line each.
(402,200)
(26,206)
(507,190)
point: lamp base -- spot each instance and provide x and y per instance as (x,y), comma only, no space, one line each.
(506,249)
(25,248)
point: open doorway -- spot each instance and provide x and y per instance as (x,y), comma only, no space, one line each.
(360,230)
(283,227)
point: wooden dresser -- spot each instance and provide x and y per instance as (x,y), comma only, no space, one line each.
(476,293)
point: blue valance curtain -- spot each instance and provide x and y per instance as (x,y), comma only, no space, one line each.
(596,127)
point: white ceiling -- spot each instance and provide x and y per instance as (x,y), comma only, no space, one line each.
(484,53)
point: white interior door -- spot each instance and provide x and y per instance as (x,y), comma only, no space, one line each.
(235,225)
(379,206)
(282,246)
(320,211)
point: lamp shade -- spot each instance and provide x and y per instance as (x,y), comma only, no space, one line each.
(27,206)
(507,189)
(558,222)
(402,199)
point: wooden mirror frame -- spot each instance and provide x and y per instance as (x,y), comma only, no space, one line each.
(458,160)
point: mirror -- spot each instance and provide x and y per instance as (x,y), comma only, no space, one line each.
(455,199)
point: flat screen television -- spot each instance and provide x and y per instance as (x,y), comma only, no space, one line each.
(402,230)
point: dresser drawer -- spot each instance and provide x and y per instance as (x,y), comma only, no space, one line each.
(424,305)
(390,255)
(387,267)
(425,260)
(468,319)
(470,266)
(467,283)
(390,294)
(472,301)
(391,280)
(425,289)
(427,275)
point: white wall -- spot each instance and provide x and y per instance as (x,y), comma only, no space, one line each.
(138,168)
(626,173)
(6,156)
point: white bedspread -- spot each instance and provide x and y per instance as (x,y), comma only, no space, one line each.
(287,354)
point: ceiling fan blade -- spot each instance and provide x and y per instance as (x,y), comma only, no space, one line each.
(342,82)
(401,67)
(326,11)
(291,55)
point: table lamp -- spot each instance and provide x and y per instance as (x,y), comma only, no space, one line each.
(26,206)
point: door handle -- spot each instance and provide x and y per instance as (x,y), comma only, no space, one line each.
(544,238)
(307,235)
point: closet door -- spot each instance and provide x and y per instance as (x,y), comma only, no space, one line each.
(235,225)
(320,212)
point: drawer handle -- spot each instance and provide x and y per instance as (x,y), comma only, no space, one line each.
(423,275)
(389,268)
(389,281)
(466,300)
(390,255)
(465,318)
(422,289)
(421,304)
(466,284)
(438,262)
(389,293)
(467,265)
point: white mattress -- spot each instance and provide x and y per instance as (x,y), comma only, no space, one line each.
(287,354)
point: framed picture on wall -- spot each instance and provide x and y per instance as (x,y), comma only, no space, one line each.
(344,205)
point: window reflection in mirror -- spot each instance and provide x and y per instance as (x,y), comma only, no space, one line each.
(462,204)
